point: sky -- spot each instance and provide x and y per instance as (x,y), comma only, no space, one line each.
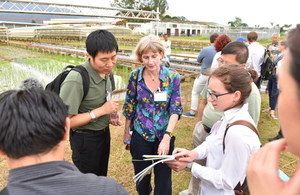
(252,12)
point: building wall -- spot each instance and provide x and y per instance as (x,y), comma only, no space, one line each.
(190,29)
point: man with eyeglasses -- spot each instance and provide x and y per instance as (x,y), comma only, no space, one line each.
(233,53)
(90,117)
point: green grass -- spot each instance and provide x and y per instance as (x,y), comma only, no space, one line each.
(45,66)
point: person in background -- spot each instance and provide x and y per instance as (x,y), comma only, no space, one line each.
(233,53)
(272,83)
(241,39)
(274,46)
(90,117)
(279,66)
(256,54)
(262,171)
(227,157)
(35,156)
(220,43)
(205,58)
(152,108)
(167,45)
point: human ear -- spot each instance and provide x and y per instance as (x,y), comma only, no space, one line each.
(2,153)
(237,96)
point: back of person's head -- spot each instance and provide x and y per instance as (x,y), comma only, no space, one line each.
(252,36)
(101,41)
(237,48)
(236,78)
(213,37)
(146,44)
(293,42)
(32,122)
(221,42)
(31,83)
(283,43)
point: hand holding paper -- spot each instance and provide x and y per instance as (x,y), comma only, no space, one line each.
(161,158)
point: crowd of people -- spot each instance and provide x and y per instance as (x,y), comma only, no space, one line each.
(35,123)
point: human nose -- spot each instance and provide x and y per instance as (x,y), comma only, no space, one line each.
(111,62)
(210,98)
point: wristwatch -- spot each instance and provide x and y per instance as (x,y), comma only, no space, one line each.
(92,115)
(169,133)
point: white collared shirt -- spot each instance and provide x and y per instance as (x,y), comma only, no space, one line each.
(167,45)
(256,55)
(224,170)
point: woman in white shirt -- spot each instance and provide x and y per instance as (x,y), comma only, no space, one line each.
(229,86)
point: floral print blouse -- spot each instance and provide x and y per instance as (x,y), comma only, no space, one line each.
(148,117)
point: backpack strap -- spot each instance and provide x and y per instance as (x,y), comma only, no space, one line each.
(85,79)
(238,188)
(239,122)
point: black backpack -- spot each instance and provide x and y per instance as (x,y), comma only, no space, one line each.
(267,66)
(59,79)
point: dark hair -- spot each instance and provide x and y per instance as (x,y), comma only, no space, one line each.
(101,41)
(213,37)
(293,42)
(239,49)
(31,83)
(252,36)
(221,42)
(236,78)
(31,122)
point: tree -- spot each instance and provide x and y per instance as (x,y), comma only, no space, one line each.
(147,5)
(237,23)
(284,27)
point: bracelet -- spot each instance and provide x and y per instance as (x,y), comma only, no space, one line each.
(92,115)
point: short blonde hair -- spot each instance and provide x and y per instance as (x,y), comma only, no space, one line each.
(148,43)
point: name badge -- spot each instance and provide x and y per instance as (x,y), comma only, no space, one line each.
(160,96)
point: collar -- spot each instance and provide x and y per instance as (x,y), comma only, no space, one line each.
(32,172)
(230,115)
(162,73)
(254,43)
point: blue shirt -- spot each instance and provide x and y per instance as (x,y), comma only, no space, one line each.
(206,57)
(150,118)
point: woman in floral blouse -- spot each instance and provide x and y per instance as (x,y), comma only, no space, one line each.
(152,108)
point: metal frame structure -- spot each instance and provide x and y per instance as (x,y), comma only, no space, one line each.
(38,7)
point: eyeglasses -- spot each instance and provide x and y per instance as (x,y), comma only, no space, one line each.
(221,61)
(214,97)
